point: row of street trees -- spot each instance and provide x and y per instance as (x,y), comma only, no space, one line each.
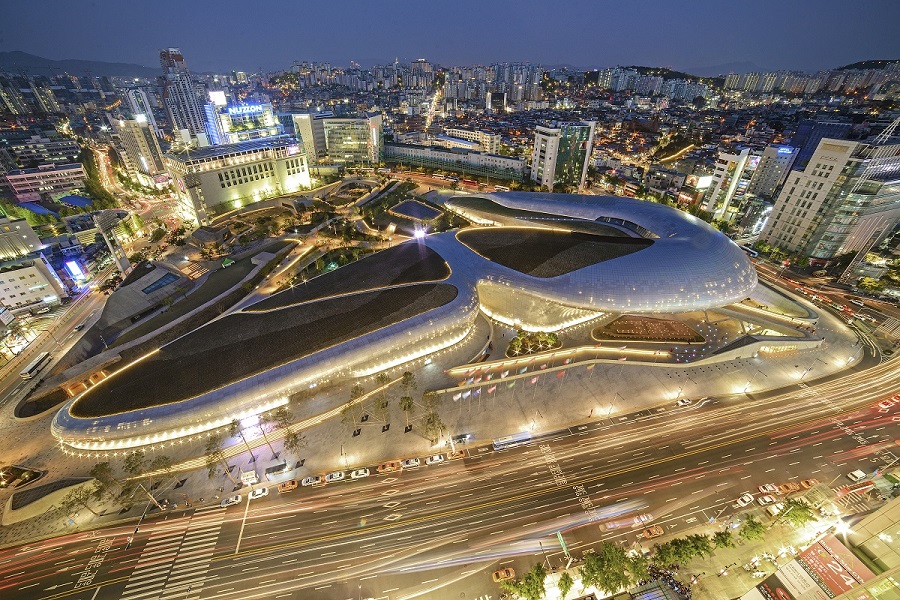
(611,568)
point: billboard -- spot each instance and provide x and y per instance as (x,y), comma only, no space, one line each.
(700,182)
(74,270)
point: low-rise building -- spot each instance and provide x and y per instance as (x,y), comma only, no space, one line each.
(216,179)
(457,160)
(29,281)
(489,142)
(29,184)
(17,238)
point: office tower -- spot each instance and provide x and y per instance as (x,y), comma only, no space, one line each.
(354,140)
(139,103)
(141,145)
(230,124)
(561,154)
(179,94)
(774,166)
(309,128)
(809,133)
(848,193)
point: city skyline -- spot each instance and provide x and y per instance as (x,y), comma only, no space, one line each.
(771,37)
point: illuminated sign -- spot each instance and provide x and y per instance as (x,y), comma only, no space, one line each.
(785,150)
(293,149)
(75,271)
(245,109)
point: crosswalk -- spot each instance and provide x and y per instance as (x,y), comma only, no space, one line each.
(174,562)
(853,503)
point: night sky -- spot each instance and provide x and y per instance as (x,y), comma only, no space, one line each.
(251,34)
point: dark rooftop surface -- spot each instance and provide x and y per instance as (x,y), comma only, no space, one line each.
(414,209)
(543,253)
(515,216)
(407,263)
(243,344)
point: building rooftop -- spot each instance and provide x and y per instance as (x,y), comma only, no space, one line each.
(46,168)
(245,344)
(277,141)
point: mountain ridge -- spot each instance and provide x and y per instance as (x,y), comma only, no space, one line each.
(18,62)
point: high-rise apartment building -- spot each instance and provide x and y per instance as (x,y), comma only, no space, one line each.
(848,193)
(141,145)
(730,181)
(179,94)
(140,104)
(561,154)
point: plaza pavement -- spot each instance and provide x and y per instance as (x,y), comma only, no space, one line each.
(609,389)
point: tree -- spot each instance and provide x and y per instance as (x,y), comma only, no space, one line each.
(433,426)
(294,441)
(723,539)
(752,529)
(607,568)
(135,463)
(797,512)
(869,284)
(531,586)
(234,429)
(215,456)
(565,584)
(639,567)
(383,401)
(78,498)
(663,554)
(159,463)
(265,419)
(106,481)
(700,545)
(406,405)
(408,380)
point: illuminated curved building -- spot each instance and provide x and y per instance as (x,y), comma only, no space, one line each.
(554,261)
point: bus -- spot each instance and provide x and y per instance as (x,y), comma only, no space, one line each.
(36,365)
(750,251)
(511,441)
(501,188)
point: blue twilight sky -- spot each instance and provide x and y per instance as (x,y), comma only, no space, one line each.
(248,34)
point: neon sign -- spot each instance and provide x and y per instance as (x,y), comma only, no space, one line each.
(245,109)
(785,150)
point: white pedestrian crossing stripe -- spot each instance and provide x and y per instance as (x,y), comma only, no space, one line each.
(174,562)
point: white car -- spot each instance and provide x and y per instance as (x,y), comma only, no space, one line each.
(311,480)
(768,488)
(409,462)
(336,476)
(359,473)
(767,499)
(232,500)
(856,475)
(434,459)
(745,499)
(258,493)
(684,402)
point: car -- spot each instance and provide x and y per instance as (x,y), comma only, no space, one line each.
(409,462)
(856,475)
(684,402)
(258,493)
(808,483)
(886,404)
(335,476)
(788,488)
(389,467)
(745,499)
(652,532)
(311,480)
(768,488)
(765,500)
(503,575)
(434,459)
(463,438)
(232,500)
(287,486)
(359,473)
(80,326)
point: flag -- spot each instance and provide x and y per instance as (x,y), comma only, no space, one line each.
(491,389)
(477,392)
(534,380)
(523,370)
(622,347)
(598,345)
(489,376)
(470,380)
(623,358)
(560,373)
(457,396)
(511,384)
(462,383)
(478,379)
(567,361)
(544,366)
(504,373)
(466,394)
(589,367)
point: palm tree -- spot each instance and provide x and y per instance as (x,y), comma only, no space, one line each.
(234,428)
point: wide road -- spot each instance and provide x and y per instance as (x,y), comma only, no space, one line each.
(438,531)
